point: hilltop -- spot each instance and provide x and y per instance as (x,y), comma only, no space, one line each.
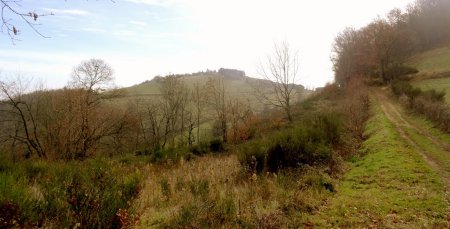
(237,85)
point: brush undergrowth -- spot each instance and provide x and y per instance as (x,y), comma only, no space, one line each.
(88,194)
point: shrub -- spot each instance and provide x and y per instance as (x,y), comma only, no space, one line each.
(310,143)
(216,145)
(200,149)
(158,153)
(252,156)
(398,71)
(164,154)
(200,188)
(142,152)
(165,188)
(434,95)
(429,103)
(87,193)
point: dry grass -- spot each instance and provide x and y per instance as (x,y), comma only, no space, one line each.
(231,198)
(156,207)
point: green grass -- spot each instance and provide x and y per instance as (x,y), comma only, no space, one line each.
(433,61)
(392,186)
(440,84)
(439,154)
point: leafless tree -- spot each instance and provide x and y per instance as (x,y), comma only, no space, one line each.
(11,11)
(19,115)
(92,75)
(217,100)
(91,78)
(198,96)
(280,69)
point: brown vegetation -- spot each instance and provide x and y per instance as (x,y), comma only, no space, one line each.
(380,49)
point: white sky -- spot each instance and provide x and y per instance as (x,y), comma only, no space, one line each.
(144,38)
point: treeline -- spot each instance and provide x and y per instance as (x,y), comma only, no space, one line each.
(87,117)
(380,49)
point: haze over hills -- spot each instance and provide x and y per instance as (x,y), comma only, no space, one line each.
(237,85)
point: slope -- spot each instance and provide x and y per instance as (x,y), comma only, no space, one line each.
(242,88)
(434,70)
(402,182)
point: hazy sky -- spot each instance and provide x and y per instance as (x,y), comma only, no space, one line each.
(144,38)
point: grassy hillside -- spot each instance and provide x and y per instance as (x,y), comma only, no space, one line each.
(242,89)
(439,84)
(433,62)
(434,70)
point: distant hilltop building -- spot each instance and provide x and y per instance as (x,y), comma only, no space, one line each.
(232,73)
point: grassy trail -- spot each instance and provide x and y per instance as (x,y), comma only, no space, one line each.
(402,182)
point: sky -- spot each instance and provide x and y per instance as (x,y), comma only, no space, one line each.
(144,38)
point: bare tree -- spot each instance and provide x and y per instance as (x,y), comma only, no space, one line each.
(199,100)
(92,75)
(20,112)
(280,69)
(217,99)
(10,10)
(174,98)
(12,14)
(91,78)
(237,111)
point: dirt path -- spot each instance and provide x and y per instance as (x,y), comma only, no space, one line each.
(405,126)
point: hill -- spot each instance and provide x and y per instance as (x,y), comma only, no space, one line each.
(434,63)
(236,86)
(434,70)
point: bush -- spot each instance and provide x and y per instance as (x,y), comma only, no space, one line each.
(310,143)
(87,193)
(200,188)
(429,103)
(200,149)
(167,154)
(434,95)
(166,190)
(142,152)
(216,145)
(252,156)
(398,71)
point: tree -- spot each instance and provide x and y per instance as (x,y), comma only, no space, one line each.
(11,7)
(217,100)
(175,96)
(280,69)
(12,15)
(390,45)
(19,116)
(91,79)
(198,97)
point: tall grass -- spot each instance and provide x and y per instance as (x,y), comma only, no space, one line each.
(56,194)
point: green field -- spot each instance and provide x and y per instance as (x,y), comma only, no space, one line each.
(432,62)
(440,84)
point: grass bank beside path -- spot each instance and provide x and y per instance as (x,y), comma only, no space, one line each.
(440,84)
(392,186)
